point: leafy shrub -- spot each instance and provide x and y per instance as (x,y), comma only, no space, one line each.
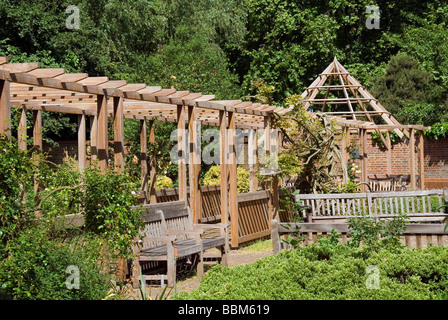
(213,177)
(164,182)
(36,268)
(377,232)
(328,270)
(16,168)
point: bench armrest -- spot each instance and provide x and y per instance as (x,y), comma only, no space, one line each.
(211,226)
(165,239)
(186,232)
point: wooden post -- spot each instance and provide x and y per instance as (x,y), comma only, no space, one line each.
(275,180)
(152,164)
(253,158)
(37,129)
(389,152)
(21,132)
(276,244)
(37,146)
(363,144)
(81,142)
(345,132)
(118,135)
(422,160)
(233,191)
(144,158)
(412,157)
(181,152)
(195,165)
(103,139)
(5,109)
(223,148)
(93,138)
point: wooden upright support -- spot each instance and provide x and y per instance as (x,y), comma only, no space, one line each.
(194,165)
(233,191)
(421,146)
(253,158)
(364,161)
(5,109)
(118,135)
(412,158)
(144,157)
(93,138)
(37,146)
(81,142)
(182,152)
(21,132)
(223,159)
(103,139)
(37,130)
(345,133)
(389,152)
(152,164)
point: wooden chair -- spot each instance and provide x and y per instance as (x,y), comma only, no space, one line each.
(169,235)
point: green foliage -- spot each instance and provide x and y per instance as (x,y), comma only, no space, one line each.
(164,182)
(35,268)
(16,168)
(213,177)
(376,232)
(290,165)
(394,137)
(409,92)
(107,200)
(437,131)
(331,271)
(36,252)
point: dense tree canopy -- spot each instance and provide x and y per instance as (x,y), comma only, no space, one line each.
(224,47)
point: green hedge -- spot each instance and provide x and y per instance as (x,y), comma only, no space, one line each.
(327,271)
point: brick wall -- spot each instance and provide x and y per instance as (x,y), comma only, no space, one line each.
(435,159)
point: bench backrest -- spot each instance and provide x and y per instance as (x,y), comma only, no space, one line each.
(374,203)
(159,217)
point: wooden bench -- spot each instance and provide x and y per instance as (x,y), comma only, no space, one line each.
(418,205)
(170,236)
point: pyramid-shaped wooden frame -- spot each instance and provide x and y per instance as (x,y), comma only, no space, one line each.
(355,96)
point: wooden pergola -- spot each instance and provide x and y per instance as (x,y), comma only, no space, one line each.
(358,111)
(29,88)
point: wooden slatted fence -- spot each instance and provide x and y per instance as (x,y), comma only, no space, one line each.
(253,210)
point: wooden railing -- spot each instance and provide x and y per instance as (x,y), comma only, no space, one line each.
(253,215)
(374,203)
(416,235)
(253,210)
